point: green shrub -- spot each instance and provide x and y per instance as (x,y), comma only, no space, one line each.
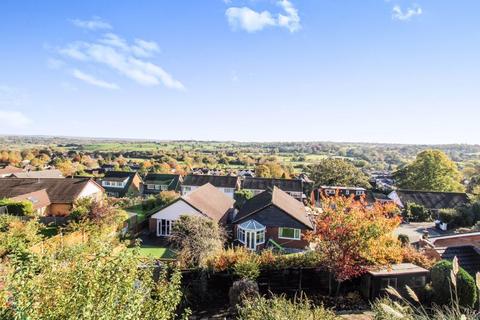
(279,307)
(442,288)
(17,208)
(417,212)
(404,239)
(248,269)
(449,216)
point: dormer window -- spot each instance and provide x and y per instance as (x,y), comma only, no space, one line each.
(359,192)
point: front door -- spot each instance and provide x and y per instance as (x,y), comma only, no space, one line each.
(250,240)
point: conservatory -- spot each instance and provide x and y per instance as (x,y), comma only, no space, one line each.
(251,233)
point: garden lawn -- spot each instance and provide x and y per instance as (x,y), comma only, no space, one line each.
(157,252)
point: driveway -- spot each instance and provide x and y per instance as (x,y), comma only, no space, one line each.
(415,230)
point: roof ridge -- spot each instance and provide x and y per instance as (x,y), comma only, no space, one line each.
(412,190)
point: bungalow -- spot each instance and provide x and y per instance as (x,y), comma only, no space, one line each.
(120,183)
(50,196)
(226,184)
(431,200)
(206,201)
(272,215)
(294,187)
(156,182)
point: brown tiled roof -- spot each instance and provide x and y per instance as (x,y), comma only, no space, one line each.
(60,190)
(433,200)
(216,181)
(39,199)
(53,173)
(278,198)
(292,185)
(210,201)
(10,169)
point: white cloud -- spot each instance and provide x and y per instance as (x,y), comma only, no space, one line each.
(88,78)
(399,14)
(291,21)
(253,21)
(95,24)
(115,53)
(248,19)
(14,119)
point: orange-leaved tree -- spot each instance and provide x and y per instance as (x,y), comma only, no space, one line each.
(351,235)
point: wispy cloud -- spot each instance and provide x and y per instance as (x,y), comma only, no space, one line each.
(88,78)
(399,14)
(127,59)
(11,96)
(14,119)
(253,21)
(95,23)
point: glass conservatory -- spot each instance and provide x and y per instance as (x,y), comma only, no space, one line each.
(251,233)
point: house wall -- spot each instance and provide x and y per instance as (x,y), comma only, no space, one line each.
(136,183)
(91,190)
(59,209)
(273,218)
(171,212)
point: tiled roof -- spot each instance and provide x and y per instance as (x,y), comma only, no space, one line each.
(60,190)
(170,180)
(9,169)
(278,198)
(216,181)
(295,185)
(468,257)
(209,201)
(433,200)
(39,199)
(53,173)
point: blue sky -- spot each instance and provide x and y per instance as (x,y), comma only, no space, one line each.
(254,70)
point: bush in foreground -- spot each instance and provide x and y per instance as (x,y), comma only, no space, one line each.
(280,308)
(441,278)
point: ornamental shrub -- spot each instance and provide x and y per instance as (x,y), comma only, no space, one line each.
(248,269)
(442,285)
(418,213)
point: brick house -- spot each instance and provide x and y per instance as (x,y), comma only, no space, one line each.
(272,215)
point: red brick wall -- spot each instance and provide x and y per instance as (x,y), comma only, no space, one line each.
(152,226)
(272,233)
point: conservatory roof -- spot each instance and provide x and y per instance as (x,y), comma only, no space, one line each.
(252,225)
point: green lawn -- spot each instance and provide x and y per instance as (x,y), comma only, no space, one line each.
(157,252)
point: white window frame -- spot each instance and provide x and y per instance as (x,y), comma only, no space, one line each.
(295,232)
(359,193)
(150,186)
(157,187)
(228,190)
(167,232)
(163,187)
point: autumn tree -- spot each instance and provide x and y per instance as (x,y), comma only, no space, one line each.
(351,236)
(432,170)
(337,172)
